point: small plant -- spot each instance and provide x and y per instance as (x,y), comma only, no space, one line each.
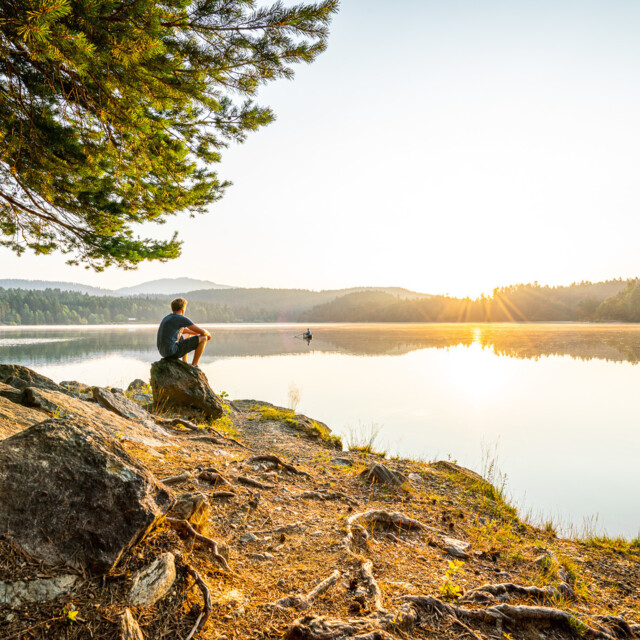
(294,396)
(363,438)
(70,613)
(448,589)
(223,394)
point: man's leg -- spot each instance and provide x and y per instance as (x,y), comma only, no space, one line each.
(199,349)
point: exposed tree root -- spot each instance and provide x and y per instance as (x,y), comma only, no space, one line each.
(209,439)
(206,597)
(504,590)
(215,477)
(327,495)
(221,494)
(366,574)
(250,482)
(280,463)
(294,527)
(182,477)
(389,518)
(176,422)
(318,628)
(184,525)
(400,522)
(510,613)
(304,602)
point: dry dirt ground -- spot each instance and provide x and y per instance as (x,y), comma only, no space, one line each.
(380,553)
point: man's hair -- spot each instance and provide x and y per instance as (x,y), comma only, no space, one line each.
(178,304)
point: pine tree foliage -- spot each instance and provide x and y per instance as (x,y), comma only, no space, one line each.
(113,112)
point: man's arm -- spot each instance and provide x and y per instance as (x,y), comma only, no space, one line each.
(195,330)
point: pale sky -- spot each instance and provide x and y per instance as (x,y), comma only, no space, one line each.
(446,146)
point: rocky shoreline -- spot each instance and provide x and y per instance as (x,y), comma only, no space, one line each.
(166,511)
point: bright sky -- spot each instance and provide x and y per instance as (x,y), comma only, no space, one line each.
(447,146)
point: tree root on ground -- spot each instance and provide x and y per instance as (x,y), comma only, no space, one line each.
(206,597)
(184,525)
(210,474)
(389,518)
(517,614)
(318,628)
(304,602)
(323,494)
(366,574)
(221,494)
(250,482)
(488,592)
(279,463)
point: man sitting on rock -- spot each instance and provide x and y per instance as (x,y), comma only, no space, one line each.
(172,342)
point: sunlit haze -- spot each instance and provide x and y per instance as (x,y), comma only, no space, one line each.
(446,147)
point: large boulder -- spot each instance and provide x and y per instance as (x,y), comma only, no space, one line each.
(22,377)
(70,494)
(177,383)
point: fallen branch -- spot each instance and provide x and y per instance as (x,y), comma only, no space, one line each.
(327,495)
(304,602)
(186,526)
(280,463)
(182,477)
(176,422)
(250,482)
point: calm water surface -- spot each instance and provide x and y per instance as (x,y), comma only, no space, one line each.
(561,401)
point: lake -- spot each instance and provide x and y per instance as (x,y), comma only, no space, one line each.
(559,402)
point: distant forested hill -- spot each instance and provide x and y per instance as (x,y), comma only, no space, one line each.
(614,300)
(55,306)
(523,302)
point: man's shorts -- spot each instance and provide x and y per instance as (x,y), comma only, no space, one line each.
(185,345)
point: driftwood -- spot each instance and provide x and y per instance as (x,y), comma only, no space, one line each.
(250,482)
(280,463)
(326,495)
(186,526)
(304,602)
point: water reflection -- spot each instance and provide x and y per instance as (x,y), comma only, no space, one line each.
(567,426)
(617,343)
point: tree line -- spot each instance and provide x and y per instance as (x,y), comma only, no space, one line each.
(610,301)
(53,306)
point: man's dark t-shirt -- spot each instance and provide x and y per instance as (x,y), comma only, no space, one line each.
(168,333)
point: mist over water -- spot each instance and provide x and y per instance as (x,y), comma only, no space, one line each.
(559,399)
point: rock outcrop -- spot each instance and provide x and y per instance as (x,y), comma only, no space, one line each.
(70,494)
(119,404)
(22,377)
(177,383)
(17,594)
(143,432)
(14,417)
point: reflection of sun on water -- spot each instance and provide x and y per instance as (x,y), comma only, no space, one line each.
(476,372)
